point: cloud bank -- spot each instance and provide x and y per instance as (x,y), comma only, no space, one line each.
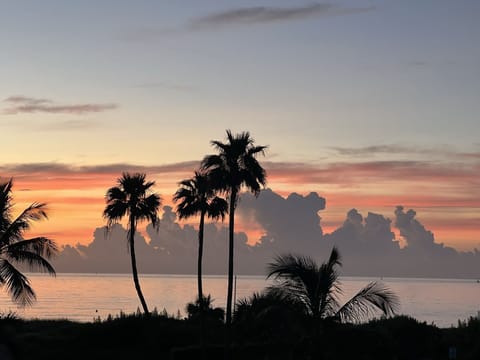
(292,224)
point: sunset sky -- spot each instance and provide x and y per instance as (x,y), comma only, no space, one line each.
(372,104)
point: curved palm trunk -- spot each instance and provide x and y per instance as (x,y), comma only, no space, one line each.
(134,266)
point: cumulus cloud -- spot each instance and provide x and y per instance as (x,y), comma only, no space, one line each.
(292,224)
(281,218)
(266,14)
(24,104)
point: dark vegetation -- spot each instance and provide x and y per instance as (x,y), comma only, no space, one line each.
(137,336)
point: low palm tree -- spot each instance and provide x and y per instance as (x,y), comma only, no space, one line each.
(196,196)
(316,289)
(14,248)
(235,166)
(206,310)
(132,197)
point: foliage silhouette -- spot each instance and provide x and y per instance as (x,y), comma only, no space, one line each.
(316,288)
(270,315)
(235,166)
(132,197)
(204,308)
(133,336)
(14,248)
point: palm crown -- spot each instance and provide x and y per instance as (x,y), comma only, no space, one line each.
(236,164)
(196,196)
(132,197)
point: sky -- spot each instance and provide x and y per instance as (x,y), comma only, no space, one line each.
(370,104)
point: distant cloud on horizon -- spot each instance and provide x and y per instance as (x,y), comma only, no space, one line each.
(19,104)
(392,149)
(459,186)
(63,169)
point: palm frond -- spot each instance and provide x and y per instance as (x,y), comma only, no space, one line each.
(290,266)
(335,258)
(33,260)
(114,212)
(217,208)
(187,208)
(115,194)
(14,231)
(148,208)
(5,204)
(374,296)
(41,246)
(17,284)
(317,287)
(297,276)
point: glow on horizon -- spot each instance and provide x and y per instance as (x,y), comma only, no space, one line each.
(76,199)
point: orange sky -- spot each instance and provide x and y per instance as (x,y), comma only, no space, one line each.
(75,195)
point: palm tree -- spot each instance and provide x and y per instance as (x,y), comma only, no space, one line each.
(316,288)
(196,197)
(132,197)
(233,167)
(14,248)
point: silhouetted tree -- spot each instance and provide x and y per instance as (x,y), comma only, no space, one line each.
(132,197)
(196,196)
(233,167)
(316,289)
(205,309)
(14,248)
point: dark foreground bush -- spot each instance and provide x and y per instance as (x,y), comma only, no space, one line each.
(166,337)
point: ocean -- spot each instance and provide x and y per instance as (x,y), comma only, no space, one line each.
(85,297)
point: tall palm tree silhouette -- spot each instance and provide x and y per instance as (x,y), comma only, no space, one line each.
(14,248)
(196,196)
(132,197)
(234,167)
(315,288)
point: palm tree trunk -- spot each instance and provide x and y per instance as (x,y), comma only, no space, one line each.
(200,257)
(134,266)
(199,283)
(231,226)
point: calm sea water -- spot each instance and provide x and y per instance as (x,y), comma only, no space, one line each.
(83,297)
